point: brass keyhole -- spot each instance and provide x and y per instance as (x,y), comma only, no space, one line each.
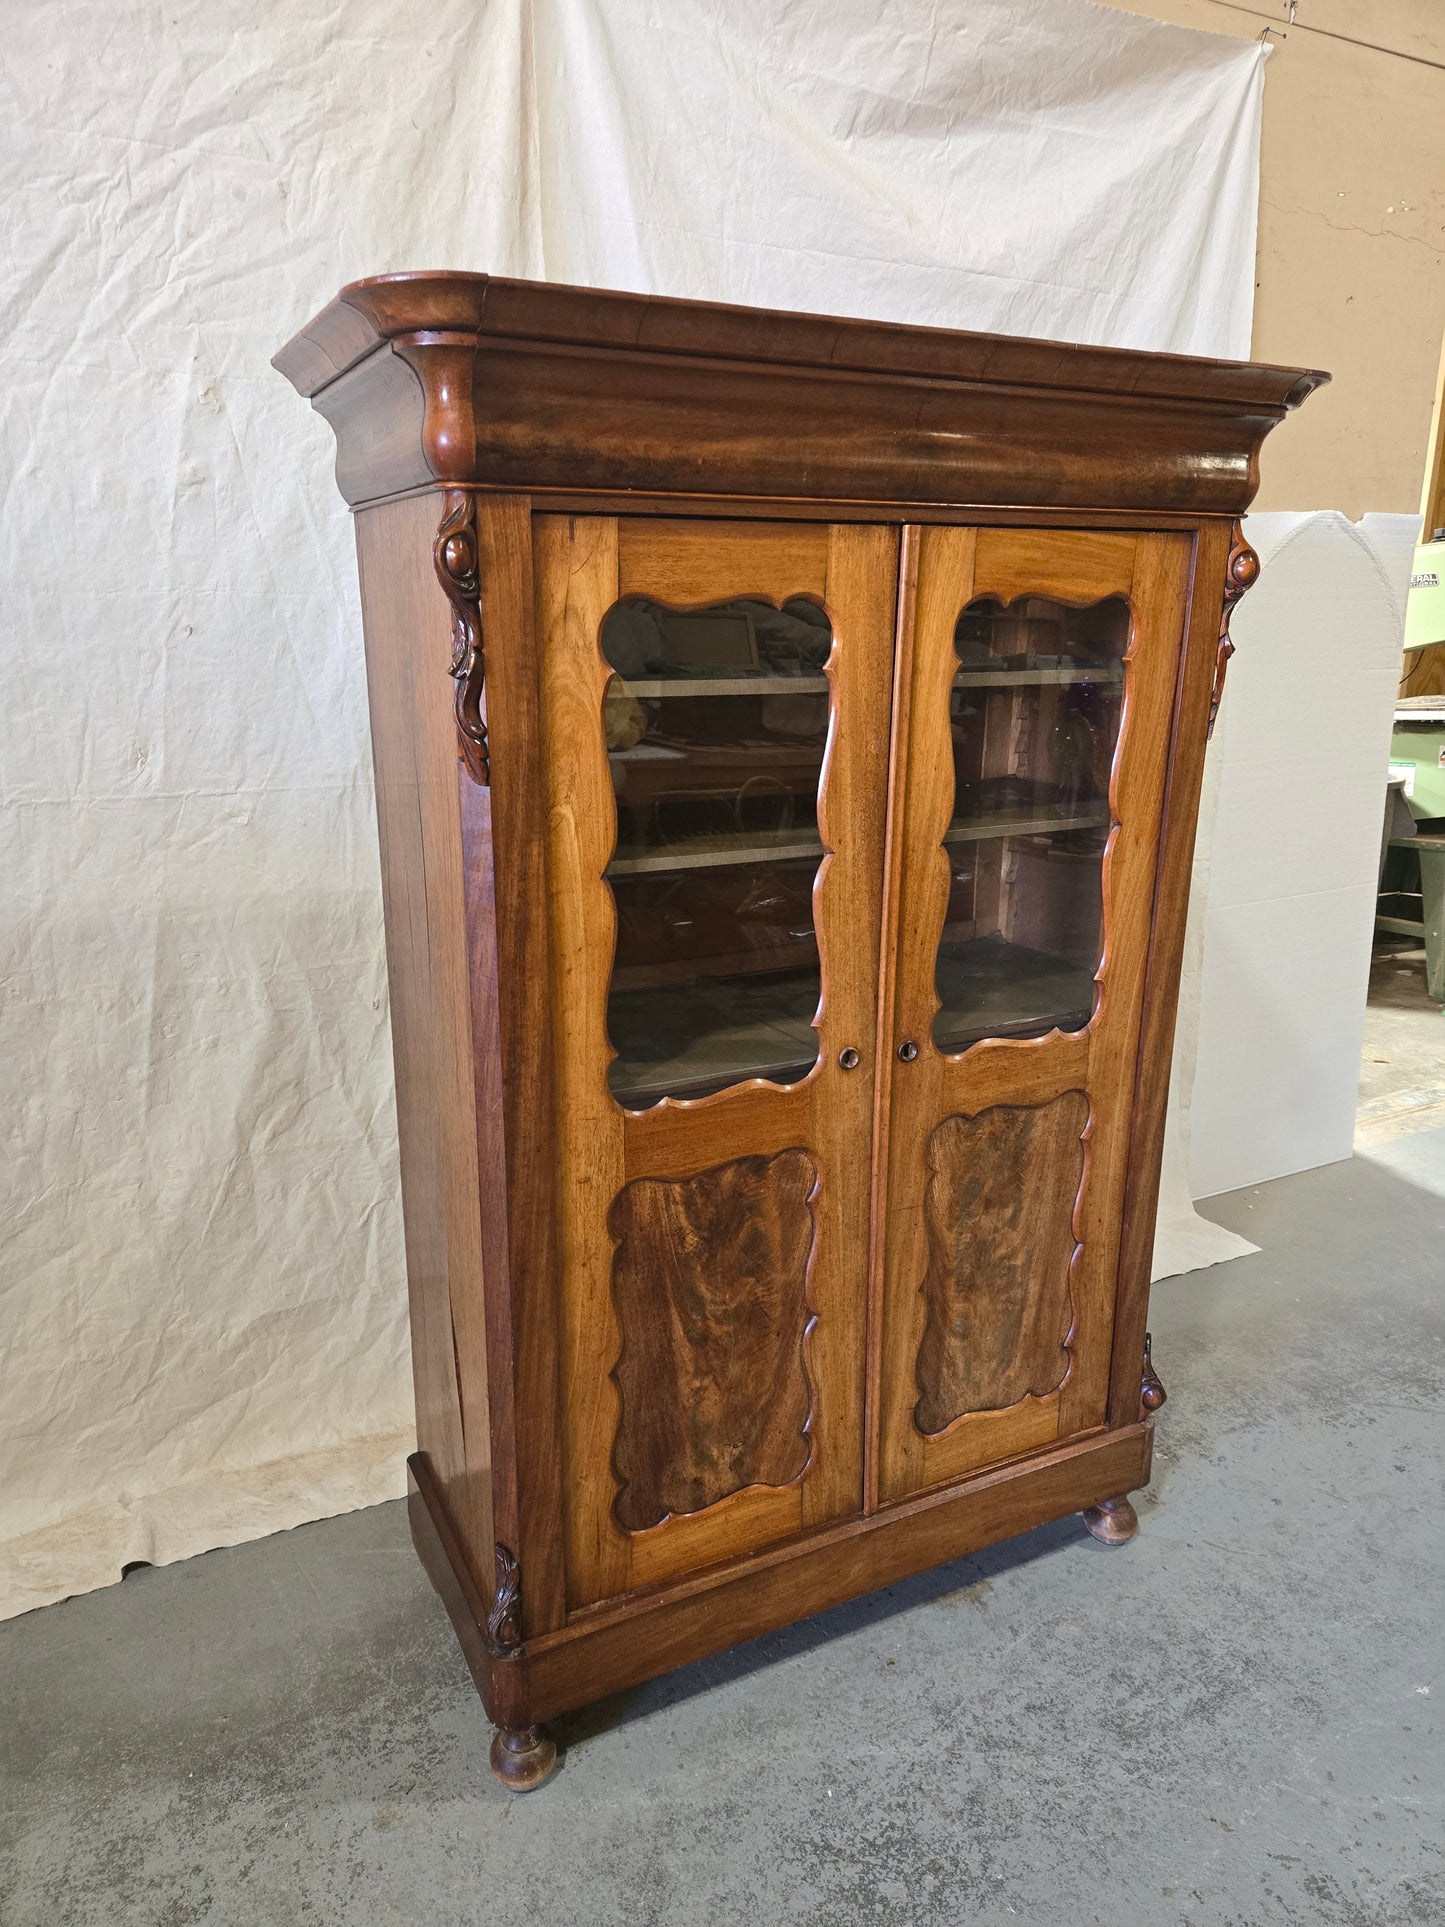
(848,1059)
(907,1051)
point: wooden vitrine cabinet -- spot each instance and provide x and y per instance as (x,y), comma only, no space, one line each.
(788,735)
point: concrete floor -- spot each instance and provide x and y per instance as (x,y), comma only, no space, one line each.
(1402,1063)
(1235,1720)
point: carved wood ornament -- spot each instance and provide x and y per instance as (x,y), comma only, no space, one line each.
(458,571)
(1151,1390)
(504,1621)
(1241,572)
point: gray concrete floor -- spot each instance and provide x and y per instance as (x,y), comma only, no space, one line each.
(1235,1720)
(1402,1061)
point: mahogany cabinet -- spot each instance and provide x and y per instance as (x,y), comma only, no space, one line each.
(788,735)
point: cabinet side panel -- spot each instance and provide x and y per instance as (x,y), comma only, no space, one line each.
(1166,952)
(407,627)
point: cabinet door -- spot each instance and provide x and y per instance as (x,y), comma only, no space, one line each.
(715,716)
(1036,685)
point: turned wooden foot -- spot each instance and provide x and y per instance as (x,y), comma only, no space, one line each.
(522,1756)
(1113,1522)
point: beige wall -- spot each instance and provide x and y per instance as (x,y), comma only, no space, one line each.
(1351,265)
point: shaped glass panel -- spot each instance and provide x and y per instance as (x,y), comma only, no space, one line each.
(1034,714)
(716,722)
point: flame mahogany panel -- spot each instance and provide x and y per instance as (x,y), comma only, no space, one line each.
(1000,1209)
(710,1282)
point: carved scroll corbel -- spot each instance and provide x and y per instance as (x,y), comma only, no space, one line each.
(1241,572)
(504,1621)
(1151,1389)
(455,555)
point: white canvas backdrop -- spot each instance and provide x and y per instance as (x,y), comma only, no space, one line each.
(201,1304)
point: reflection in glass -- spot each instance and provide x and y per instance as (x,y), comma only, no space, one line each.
(1034,717)
(716,721)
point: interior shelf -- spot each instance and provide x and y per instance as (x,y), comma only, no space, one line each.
(650,686)
(713,852)
(1057,677)
(690,1039)
(786,846)
(799,955)
(989,987)
(975,829)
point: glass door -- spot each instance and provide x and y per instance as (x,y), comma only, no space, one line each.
(1033,717)
(716,721)
(1039,669)
(715,718)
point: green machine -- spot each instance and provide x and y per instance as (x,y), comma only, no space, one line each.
(1417,747)
(1425,604)
(1417,753)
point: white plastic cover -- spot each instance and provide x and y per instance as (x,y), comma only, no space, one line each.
(202,1304)
(1287,911)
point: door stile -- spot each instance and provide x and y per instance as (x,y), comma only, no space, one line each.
(893,866)
(861,585)
(1159,594)
(504,853)
(1180,816)
(575,567)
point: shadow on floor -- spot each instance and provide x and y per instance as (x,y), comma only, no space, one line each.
(815,1635)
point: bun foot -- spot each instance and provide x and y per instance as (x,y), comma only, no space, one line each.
(522,1756)
(1113,1522)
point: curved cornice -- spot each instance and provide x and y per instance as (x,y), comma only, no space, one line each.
(468,379)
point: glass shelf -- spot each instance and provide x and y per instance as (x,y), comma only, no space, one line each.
(702,1037)
(1026,677)
(975,829)
(654,687)
(716,723)
(990,987)
(714,852)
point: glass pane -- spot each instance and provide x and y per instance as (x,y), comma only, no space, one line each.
(1034,715)
(716,721)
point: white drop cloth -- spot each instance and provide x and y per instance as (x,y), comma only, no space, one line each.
(202,1305)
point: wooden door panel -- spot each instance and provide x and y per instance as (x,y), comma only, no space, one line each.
(1001,1200)
(686,561)
(999,1210)
(1069,565)
(714,1248)
(710,1290)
